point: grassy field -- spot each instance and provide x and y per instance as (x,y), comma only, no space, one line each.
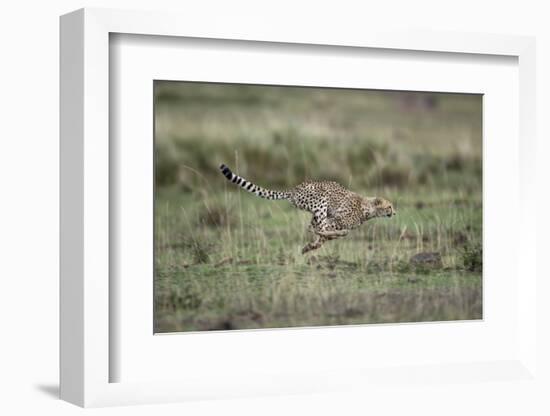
(225,259)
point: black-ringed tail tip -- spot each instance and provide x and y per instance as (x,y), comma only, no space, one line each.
(226,171)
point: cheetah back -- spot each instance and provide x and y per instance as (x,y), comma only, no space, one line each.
(329,199)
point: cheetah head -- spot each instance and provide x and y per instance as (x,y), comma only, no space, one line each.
(377,207)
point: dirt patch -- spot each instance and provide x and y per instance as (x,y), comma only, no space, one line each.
(426,260)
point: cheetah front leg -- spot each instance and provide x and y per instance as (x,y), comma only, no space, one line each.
(326,230)
(332,234)
(331,228)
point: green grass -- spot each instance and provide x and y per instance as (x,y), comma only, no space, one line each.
(233,261)
(225,259)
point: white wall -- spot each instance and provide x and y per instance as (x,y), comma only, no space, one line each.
(29,208)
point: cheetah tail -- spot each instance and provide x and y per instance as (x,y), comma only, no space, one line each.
(250,187)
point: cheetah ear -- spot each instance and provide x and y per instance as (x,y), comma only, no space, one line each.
(378,201)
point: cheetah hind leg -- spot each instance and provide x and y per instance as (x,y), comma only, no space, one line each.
(318,240)
(315,244)
(321,237)
(324,230)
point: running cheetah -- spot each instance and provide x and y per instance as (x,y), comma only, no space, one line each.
(335,209)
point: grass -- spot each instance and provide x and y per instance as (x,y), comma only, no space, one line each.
(248,272)
(225,259)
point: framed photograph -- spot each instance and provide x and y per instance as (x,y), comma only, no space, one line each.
(227,260)
(266,212)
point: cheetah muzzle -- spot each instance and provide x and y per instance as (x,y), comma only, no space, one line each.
(336,210)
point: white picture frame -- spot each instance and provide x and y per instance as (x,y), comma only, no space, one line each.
(86,356)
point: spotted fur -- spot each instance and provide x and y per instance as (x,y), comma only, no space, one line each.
(336,210)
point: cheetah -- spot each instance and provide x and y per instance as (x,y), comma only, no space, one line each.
(336,210)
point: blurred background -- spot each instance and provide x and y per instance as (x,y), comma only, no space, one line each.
(368,139)
(423,151)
